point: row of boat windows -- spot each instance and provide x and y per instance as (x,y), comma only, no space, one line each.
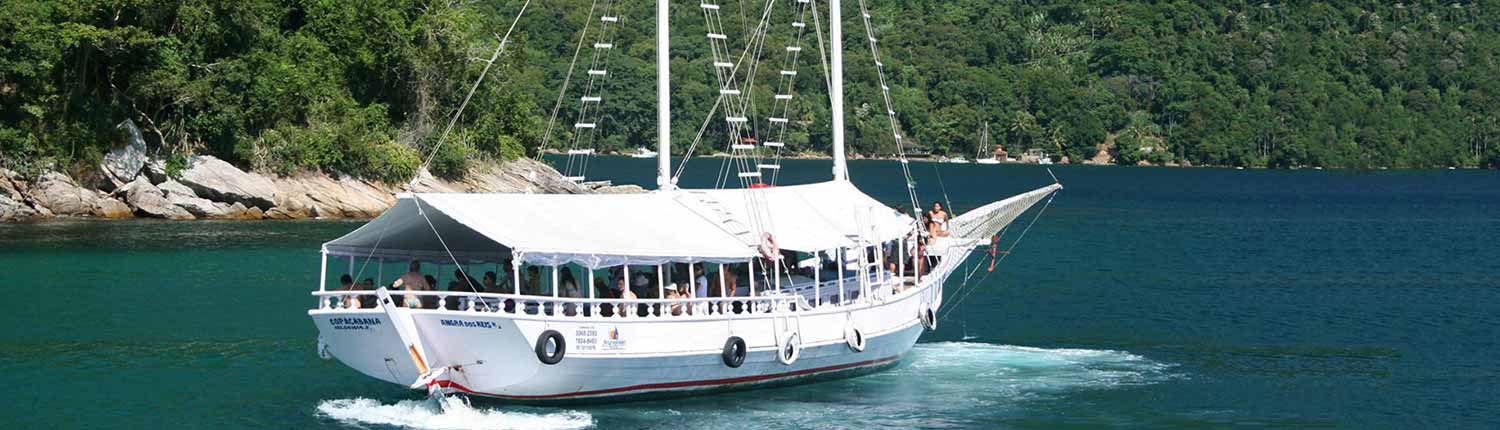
(668,281)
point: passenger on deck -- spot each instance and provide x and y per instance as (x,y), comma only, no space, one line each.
(940,218)
(412,280)
(491,284)
(678,291)
(700,284)
(532,284)
(622,291)
(430,302)
(569,285)
(367,301)
(346,283)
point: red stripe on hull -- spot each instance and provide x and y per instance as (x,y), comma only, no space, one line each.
(671,385)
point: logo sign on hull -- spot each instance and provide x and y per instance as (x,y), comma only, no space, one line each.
(354,323)
(468,324)
(592,338)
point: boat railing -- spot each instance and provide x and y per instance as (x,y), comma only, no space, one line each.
(512,304)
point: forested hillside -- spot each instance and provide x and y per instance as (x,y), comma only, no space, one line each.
(366,87)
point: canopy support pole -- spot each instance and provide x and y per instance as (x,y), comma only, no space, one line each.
(840,256)
(752,277)
(554,281)
(661,282)
(723,286)
(818,279)
(692,281)
(901,261)
(351,267)
(323,272)
(515,277)
(776,266)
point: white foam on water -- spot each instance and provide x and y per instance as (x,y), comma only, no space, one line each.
(1021,369)
(447,413)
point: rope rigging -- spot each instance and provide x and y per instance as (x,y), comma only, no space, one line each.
(966,289)
(781,102)
(890,110)
(591,103)
(477,82)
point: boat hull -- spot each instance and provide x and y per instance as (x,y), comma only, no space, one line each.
(493,354)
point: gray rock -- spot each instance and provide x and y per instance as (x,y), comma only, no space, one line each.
(156,170)
(620,189)
(217,180)
(185,198)
(149,201)
(110,208)
(124,163)
(13,211)
(62,196)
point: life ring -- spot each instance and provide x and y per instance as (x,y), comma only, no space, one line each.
(854,338)
(560,347)
(734,352)
(768,248)
(791,348)
(928,317)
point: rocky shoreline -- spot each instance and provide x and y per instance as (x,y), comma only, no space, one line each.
(127,186)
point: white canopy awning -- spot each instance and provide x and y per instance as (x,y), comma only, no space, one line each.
(601,230)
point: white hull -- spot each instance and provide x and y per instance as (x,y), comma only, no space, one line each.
(613,358)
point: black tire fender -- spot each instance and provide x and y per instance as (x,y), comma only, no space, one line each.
(734,352)
(557,353)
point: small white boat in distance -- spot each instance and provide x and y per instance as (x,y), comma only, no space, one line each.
(641,152)
(957,160)
(979,157)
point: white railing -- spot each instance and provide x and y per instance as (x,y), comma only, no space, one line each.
(546,306)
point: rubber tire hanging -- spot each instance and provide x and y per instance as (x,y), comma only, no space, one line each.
(557,354)
(734,352)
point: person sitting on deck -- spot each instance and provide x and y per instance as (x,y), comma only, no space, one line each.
(462,283)
(367,301)
(346,283)
(938,215)
(678,291)
(568,285)
(622,291)
(413,281)
(491,284)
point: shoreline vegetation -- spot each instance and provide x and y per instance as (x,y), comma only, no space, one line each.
(362,91)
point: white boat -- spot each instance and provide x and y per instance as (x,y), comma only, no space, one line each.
(979,157)
(814,280)
(643,153)
(957,160)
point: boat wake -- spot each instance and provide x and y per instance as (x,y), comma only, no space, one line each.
(1021,370)
(448,413)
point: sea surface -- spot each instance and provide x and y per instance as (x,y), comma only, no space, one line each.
(1141,298)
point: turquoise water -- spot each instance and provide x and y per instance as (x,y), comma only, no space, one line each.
(1144,297)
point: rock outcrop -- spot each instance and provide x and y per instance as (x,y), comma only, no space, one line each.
(184,197)
(12,210)
(62,196)
(210,188)
(220,181)
(149,201)
(124,163)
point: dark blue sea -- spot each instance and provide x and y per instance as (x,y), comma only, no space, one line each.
(1141,298)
